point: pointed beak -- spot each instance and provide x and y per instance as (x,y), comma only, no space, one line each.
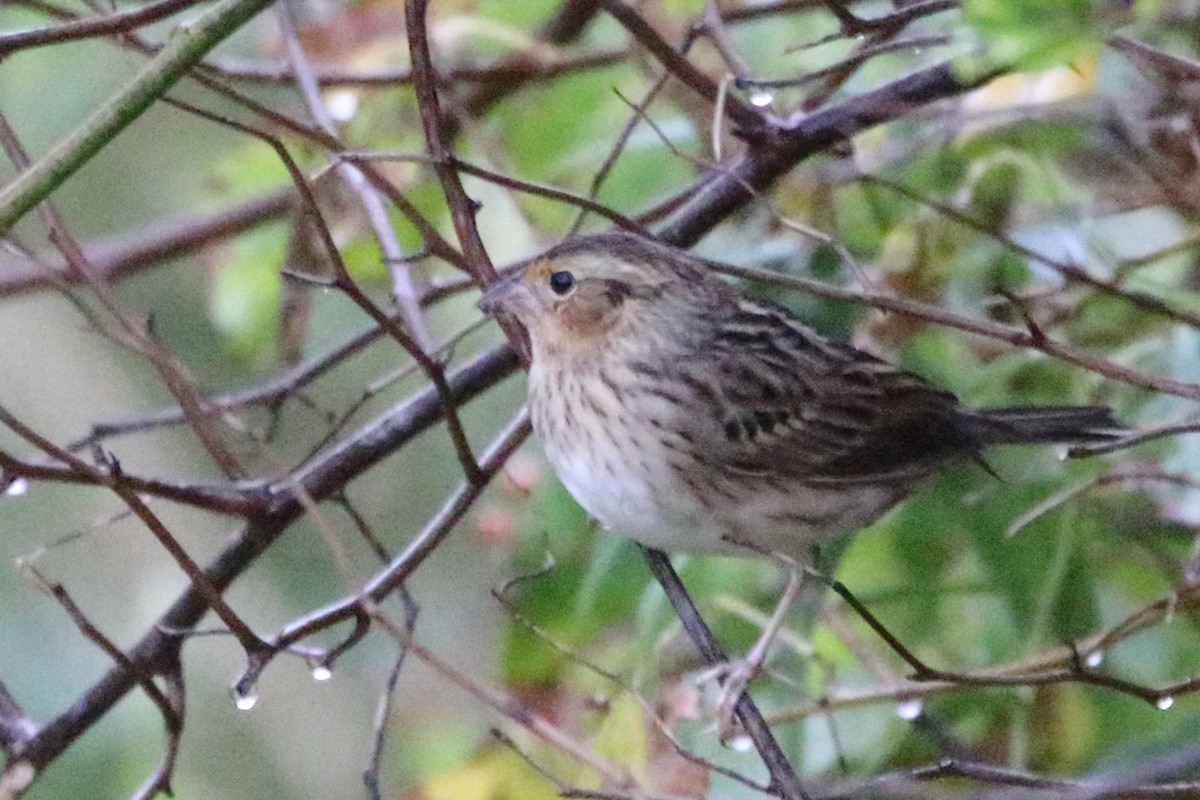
(507,296)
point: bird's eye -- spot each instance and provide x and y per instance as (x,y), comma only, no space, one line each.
(561,282)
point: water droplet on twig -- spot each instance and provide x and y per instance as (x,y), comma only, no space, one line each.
(1163,703)
(244,701)
(761,98)
(742,743)
(910,709)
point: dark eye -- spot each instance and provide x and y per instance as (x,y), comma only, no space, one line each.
(561,282)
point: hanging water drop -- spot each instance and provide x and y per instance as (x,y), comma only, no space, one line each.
(1094,659)
(321,673)
(244,701)
(761,98)
(342,106)
(742,743)
(909,709)
(1163,703)
(16,487)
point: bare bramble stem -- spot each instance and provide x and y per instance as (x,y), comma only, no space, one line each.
(383,710)
(115,258)
(1073,670)
(750,122)
(170,704)
(15,727)
(784,780)
(535,723)
(112,479)
(118,22)
(462,207)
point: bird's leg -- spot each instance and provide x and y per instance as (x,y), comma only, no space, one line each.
(738,673)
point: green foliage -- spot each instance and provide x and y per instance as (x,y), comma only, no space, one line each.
(976,571)
(244,299)
(621,737)
(495,774)
(518,15)
(1028,34)
(578,585)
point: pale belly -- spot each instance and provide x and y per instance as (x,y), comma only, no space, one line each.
(634,488)
(659,515)
(661,512)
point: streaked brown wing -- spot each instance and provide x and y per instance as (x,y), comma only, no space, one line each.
(792,403)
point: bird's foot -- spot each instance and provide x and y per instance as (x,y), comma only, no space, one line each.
(735,675)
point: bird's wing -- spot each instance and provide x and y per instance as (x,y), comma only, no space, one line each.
(791,403)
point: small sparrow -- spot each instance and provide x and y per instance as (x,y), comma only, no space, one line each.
(693,417)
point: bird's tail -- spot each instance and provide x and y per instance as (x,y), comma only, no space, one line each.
(1044,425)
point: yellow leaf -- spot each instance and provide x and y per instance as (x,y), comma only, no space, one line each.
(622,735)
(495,774)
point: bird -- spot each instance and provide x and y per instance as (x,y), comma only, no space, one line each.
(684,412)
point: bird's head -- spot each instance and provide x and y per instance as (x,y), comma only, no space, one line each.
(589,289)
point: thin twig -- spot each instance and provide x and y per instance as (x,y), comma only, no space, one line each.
(462,207)
(583,203)
(1070,670)
(15,727)
(749,121)
(399,569)
(83,28)
(346,284)
(112,479)
(784,780)
(386,697)
(171,707)
(369,197)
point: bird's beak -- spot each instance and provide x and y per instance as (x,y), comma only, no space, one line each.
(508,296)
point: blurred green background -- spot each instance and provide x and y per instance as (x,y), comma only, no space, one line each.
(953,572)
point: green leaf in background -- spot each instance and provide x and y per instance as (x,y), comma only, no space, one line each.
(497,773)
(554,551)
(683,7)
(937,172)
(244,298)
(622,735)
(1037,570)
(362,259)
(994,193)
(551,146)
(250,169)
(615,578)
(524,14)
(1038,142)
(1032,34)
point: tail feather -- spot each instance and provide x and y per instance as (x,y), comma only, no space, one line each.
(1044,425)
